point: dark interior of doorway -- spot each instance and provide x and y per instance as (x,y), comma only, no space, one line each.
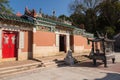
(62,43)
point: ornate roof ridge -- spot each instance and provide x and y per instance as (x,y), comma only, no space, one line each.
(55,21)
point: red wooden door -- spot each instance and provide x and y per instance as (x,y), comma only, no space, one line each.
(9,45)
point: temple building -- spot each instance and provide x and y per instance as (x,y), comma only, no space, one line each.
(33,35)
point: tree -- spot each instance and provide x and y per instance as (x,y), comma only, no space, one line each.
(87,11)
(77,19)
(4,7)
(109,11)
(64,17)
(97,15)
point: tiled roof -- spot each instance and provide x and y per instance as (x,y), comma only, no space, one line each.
(15,18)
(43,21)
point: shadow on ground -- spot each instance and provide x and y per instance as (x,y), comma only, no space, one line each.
(36,60)
(61,63)
(109,76)
(89,63)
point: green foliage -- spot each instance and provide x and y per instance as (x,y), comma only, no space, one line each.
(97,15)
(4,7)
(77,19)
(110,30)
(110,11)
(64,17)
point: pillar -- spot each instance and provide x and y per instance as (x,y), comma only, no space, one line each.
(34,45)
(68,41)
(21,55)
(57,40)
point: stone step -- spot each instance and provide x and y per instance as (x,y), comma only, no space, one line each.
(53,63)
(14,69)
(61,62)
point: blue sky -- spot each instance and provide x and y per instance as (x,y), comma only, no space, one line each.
(47,6)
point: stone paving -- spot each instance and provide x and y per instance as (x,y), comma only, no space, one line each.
(66,73)
(82,71)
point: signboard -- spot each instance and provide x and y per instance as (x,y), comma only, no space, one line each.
(21,40)
(63,31)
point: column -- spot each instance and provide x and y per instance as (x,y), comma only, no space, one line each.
(34,44)
(21,46)
(68,41)
(57,40)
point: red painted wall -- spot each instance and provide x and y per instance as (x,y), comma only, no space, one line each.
(44,38)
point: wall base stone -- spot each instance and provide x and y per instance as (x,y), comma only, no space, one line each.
(42,51)
(8,59)
(22,55)
(78,49)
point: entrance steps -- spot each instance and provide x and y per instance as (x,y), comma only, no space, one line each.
(52,61)
(55,63)
(13,67)
(8,68)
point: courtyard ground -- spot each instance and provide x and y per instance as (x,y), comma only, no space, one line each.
(66,73)
(82,71)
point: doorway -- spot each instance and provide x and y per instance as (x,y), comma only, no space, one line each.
(62,43)
(9,44)
(72,43)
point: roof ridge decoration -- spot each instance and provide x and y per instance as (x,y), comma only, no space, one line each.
(31,13)
(55,21)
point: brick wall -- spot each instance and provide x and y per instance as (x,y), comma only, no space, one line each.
(28,41)
(81,41)
(44,38)
(81,44)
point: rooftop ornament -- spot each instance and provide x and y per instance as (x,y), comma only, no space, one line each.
(31,13)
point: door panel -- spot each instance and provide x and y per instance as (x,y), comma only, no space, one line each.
(5,45)
(12,45)
(9,45)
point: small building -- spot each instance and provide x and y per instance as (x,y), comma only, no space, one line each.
(30,36)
